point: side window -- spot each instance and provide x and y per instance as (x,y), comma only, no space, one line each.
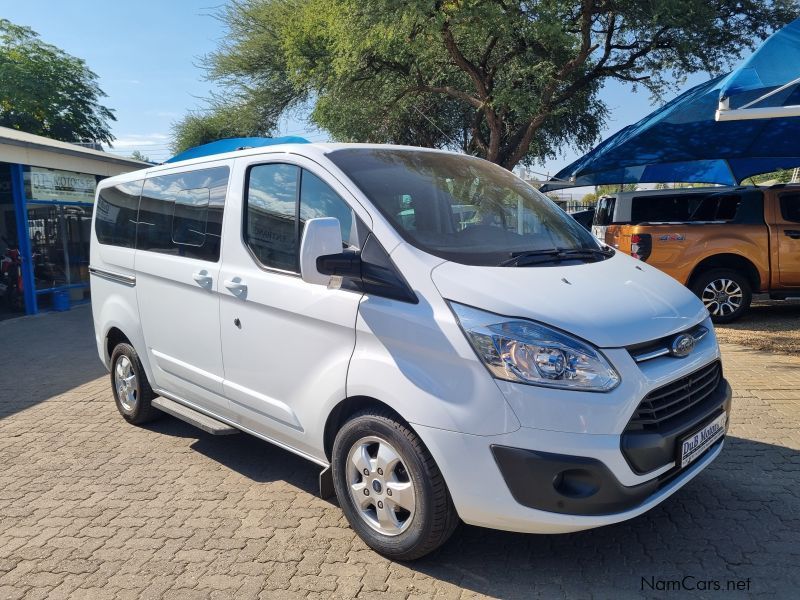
(790,207)
(270,217)
(317,199)
(181,213)
(117,207)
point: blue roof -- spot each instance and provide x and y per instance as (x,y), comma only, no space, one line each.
(232,144)
(683,142)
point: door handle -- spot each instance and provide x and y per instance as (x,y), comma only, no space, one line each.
(236,286)
(792,233)
(202,278)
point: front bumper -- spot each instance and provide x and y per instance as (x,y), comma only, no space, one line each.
(517,481)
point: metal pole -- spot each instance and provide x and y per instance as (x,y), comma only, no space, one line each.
(23,239)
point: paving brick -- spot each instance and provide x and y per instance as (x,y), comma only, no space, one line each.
(91,507)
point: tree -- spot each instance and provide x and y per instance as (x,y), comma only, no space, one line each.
(44,90)
(137,155)
(512,81)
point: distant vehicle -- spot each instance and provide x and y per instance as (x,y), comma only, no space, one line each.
(723,243)
(414,322)
(647,205)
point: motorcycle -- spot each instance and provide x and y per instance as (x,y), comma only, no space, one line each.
(11,273)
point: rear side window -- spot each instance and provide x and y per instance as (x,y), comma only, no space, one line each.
(280,199)
(115,221)
(663,209)
(790,207)
(181,213)
(604,215)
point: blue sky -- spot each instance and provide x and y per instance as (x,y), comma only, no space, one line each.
(146,55)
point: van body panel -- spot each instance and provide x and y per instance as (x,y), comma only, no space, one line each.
(611,303)
(260,349)
(415,358)
(290,352)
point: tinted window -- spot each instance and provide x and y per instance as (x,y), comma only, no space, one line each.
(115,223)
(181,213)
(790,207)
(660,209)
(604,215)
(459,207)
(270,227)
(317,200)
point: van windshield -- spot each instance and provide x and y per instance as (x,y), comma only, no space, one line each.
(461,208)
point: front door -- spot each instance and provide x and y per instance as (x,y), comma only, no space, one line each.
(177,267)
(286,344)
(787,228)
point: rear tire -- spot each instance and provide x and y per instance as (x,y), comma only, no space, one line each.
(726,294)
(400,506)
(132,391)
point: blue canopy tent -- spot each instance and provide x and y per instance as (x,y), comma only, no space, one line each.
(231,144)
(685,141)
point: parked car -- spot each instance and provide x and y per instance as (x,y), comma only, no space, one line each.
(724,244)
(630,208)
(330,300)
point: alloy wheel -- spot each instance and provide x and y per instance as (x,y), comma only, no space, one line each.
(125,382)
(722,297)
(380,486)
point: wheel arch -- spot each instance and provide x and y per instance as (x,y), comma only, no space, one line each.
(735,262)
(345,409)
(114,336)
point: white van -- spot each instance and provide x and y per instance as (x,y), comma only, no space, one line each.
(510,371)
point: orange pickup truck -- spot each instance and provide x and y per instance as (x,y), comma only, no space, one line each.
(724,243)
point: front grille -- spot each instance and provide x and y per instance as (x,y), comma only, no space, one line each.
(660,406)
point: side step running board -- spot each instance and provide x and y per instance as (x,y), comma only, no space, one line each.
(193,417)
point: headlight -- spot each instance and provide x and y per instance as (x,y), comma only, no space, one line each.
(529,352)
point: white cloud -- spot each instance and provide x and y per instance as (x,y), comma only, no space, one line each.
(140,141)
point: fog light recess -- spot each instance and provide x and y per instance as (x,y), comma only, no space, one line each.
(575,483)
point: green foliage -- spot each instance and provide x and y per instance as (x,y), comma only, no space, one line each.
(781,176)
(45,91)
(136,155)
(511,81)
(590,198)
(220,122)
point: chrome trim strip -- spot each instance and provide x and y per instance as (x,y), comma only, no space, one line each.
(114,276)
(651,355)
(698,334)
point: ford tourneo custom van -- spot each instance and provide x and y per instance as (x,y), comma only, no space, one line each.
(435,334)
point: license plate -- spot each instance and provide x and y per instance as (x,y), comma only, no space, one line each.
(693,445)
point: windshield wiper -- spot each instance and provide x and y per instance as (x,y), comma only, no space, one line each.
(533,257)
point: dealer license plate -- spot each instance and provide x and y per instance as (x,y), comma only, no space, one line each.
(693,445)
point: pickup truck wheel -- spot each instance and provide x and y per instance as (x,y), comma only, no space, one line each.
(389,487)
(725,292)
(132,391)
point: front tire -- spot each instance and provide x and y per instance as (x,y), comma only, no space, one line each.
(726,294)
(389,487)
(132,391)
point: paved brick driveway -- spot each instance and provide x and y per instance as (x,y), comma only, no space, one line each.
(91,507)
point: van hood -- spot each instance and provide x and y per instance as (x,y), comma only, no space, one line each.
(617,302)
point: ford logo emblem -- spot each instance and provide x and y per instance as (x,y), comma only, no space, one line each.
(682,345)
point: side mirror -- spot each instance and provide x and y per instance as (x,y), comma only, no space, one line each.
(321,237)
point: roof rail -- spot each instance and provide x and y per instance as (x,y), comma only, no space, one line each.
(233,144)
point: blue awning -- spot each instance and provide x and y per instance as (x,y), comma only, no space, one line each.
(683,142)
(232,144)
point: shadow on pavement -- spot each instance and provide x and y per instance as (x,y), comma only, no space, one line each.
(716,528)
(46,355)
